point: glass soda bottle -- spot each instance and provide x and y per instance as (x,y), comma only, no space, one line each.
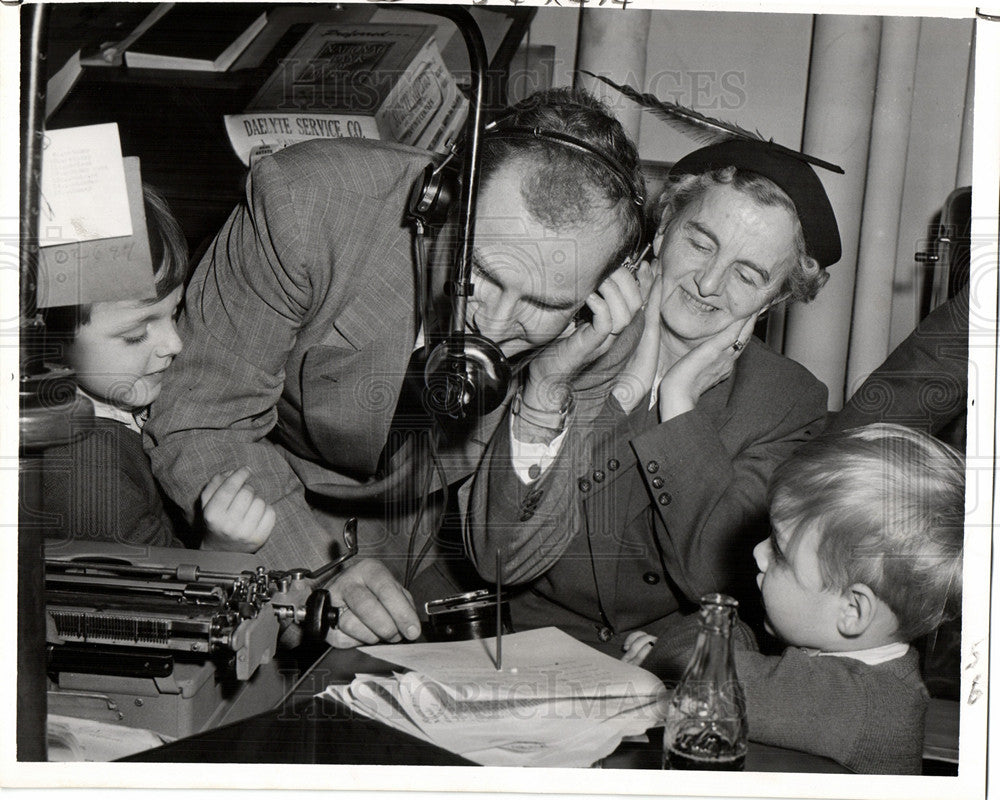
(706,721)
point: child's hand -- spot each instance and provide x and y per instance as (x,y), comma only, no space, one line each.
(637,646)
(236,519)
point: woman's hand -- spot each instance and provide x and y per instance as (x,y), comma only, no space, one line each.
(696,372)
(636,379)
(236,519)
(637,646)
(613,306)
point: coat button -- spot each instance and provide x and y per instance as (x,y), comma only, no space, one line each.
(532,497)
(598,476)
(652,466)
(584,485)
(651,578)
(613,464)
(664,499)
(605,634)
(657,482)
(527,514)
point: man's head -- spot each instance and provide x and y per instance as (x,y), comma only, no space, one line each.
(867,539)
(552,222)
(120,348)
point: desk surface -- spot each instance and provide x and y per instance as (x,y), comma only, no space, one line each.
(306,729)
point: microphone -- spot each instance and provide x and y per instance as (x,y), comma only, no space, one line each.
(467,375)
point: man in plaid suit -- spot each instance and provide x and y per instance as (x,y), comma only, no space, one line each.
(303,315)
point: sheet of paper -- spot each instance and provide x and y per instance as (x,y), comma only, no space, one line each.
(72,739)
(377,696)
(100,270)
(540,663)
(590,744)
(567,732)
(556,702)
(83,186)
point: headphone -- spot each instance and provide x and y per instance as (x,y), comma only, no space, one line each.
(432,197)
(468,375)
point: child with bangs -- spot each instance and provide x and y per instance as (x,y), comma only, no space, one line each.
(99,487)
(865,556)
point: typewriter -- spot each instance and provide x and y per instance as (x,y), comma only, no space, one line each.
(174,641)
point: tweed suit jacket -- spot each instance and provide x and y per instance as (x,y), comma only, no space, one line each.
(636,520)
(298,326)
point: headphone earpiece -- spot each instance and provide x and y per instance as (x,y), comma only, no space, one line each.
(434,193)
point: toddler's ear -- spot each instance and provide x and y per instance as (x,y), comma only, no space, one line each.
(858,606)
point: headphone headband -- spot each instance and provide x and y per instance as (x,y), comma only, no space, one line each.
(438,189)
(523,132)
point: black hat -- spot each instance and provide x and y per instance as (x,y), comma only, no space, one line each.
(792,174)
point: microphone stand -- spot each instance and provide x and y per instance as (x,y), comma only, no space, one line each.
(468,375)
(460,287)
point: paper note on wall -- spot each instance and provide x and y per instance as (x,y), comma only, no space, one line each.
(98,270)
(83,186)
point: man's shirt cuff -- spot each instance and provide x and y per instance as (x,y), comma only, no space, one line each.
(532,459)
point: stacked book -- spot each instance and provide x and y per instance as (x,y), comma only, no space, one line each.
(358,80)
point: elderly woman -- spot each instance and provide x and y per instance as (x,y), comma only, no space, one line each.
(638,507)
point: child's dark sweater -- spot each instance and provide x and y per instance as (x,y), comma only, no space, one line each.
(100,488)
(870,718)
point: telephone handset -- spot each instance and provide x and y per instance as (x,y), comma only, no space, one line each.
(584,315)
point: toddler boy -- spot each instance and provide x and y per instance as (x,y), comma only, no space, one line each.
(100,486)
(865,556)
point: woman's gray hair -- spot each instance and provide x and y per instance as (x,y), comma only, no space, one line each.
(806,277)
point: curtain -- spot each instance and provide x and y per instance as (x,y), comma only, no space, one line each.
(888,100)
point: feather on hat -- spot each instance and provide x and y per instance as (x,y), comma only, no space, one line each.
(733,146)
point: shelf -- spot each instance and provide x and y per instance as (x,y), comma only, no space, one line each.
(172,119)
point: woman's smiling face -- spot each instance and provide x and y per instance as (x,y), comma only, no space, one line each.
(724,257)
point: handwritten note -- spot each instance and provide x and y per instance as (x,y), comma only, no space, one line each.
(83,186)
(119,268)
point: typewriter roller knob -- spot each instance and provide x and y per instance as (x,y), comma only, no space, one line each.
(321,615)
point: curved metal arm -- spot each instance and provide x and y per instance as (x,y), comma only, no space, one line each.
(351,540)
(470,167)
